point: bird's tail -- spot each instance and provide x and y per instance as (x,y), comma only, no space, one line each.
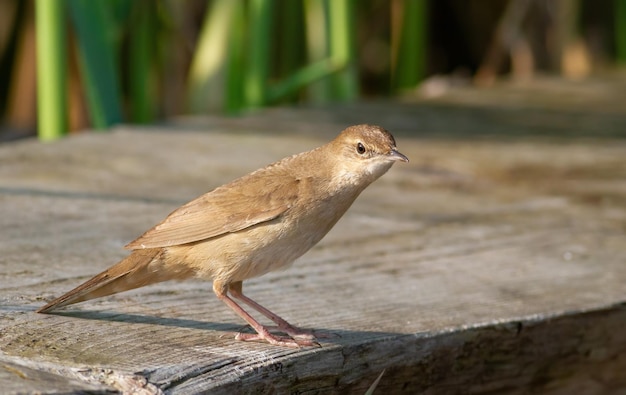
(138,269)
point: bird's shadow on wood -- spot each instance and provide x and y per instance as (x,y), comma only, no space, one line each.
(325,335)
(147,319)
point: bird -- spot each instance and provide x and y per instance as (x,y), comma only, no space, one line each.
(257,223)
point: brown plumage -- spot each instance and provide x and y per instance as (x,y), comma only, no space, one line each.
(255,224)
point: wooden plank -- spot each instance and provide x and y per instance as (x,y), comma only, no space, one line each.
(20,379)
(487,265)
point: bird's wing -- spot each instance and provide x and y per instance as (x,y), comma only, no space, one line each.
(259,197)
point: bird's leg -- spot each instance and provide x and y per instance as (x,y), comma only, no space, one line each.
(262,332)
(236,289)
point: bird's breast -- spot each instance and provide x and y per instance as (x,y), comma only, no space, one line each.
(266,246)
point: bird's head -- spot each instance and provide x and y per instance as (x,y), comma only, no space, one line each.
(365,152)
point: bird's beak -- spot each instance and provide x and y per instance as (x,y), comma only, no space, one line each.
(395,155)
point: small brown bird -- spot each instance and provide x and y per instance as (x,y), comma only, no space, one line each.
(258,223)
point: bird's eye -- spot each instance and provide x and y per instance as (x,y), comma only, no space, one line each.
(360,148)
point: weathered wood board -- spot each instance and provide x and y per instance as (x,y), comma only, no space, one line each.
(486,265)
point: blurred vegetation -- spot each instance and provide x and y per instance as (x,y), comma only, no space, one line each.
(102,62)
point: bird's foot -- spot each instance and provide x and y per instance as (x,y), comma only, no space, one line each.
(299,333)
(295,342)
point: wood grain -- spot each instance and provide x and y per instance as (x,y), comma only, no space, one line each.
(484,266)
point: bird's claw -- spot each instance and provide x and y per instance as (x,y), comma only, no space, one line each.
(295,342)
(298,333)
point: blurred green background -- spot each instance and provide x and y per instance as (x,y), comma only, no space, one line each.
(69,65)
